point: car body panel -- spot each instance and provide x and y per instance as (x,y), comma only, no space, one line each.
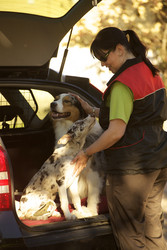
(9,226)
(31,40)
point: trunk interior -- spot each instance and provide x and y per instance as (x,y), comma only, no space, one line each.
(28,135)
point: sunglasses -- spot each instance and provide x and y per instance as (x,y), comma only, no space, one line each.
(105,56)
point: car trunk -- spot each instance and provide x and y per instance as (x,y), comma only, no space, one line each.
(27,132)
(29,141)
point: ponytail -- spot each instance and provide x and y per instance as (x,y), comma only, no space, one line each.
(139,49)
(108,38)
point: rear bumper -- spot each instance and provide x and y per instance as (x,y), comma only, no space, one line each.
(10,234)
(89,233)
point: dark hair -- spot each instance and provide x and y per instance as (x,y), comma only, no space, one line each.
(109,38)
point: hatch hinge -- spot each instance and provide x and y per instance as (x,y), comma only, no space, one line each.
(94,2)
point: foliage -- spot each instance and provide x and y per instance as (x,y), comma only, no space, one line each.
(146,17)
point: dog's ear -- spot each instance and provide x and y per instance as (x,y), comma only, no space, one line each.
(78,105)
(64,139)
(82,111)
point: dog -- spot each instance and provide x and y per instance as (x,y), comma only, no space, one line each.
(65,110)
(56,176)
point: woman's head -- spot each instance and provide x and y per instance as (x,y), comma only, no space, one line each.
(109,38)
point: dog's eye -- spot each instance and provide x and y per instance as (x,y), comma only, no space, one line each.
(67,101)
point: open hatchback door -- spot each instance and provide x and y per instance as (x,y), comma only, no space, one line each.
(31,30)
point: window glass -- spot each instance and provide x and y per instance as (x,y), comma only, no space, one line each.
(48,8)
(43,100)
(19,107)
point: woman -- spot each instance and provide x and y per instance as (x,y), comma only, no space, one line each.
(132,113)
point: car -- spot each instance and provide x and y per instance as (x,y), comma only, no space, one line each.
(28,41)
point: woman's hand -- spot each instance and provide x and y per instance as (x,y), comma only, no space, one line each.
(88,108)
(80,162)
(108,138)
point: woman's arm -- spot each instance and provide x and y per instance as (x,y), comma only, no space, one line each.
(110,136)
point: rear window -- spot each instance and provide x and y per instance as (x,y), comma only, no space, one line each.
(48,8)
(20,107)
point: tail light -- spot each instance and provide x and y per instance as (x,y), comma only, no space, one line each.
(5,184)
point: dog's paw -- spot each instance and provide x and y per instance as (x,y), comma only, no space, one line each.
(71,216)
(86,212)
(56,214)
(77,214)
(82,213)
(93,210)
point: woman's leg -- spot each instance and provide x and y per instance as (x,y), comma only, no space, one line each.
(153,213)
(127,199)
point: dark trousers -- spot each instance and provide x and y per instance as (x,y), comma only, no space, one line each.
(134,203)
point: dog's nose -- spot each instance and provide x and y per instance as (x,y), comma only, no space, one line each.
(53,105)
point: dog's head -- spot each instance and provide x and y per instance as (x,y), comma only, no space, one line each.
(78,132)
(66,106)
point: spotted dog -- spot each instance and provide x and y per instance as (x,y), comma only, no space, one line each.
(56,176)
(65,110)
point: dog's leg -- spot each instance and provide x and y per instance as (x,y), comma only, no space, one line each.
(74,195)
(95,184)
(64,203)
(76,200)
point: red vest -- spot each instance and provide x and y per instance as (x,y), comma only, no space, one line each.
(140,80)
(144,135)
